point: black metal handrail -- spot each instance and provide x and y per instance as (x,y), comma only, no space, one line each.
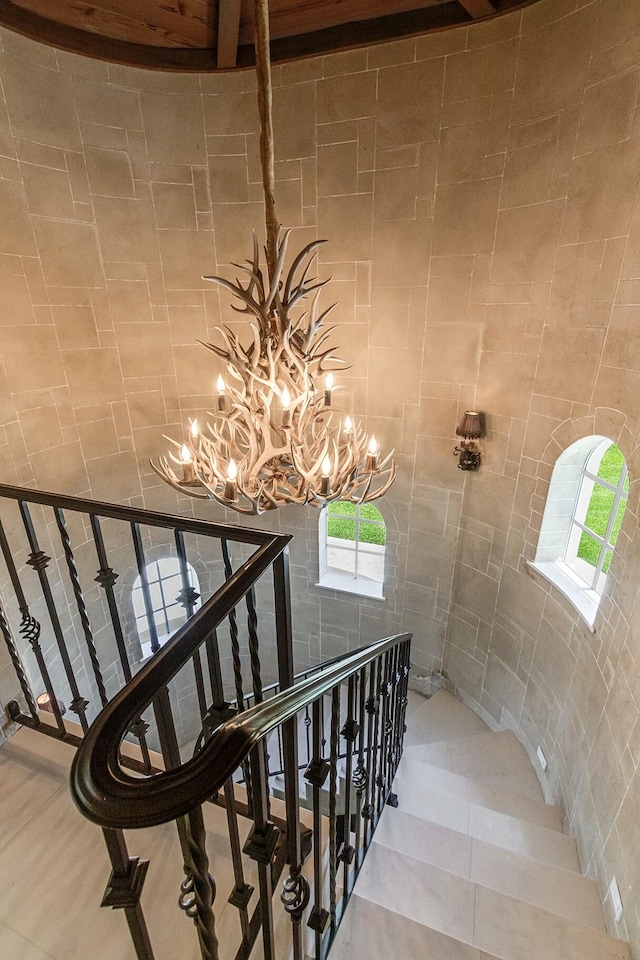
(106,794)
(153,518)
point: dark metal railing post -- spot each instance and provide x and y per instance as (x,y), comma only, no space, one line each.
(124,890)
(107,579)
(316,774)
(295,894)
(333,795)
(350,732)
(236,659)
(359,778)
(261,845)
(144,586)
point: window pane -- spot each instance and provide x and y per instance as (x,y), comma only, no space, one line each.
(372,533)
(617,523)
(599,510)
(589,550)
(611,465)
(341,528)
(369,512)
(607,561)
(342,508)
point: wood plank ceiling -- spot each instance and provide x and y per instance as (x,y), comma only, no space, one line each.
(218,34)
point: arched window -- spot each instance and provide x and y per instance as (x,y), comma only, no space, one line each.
(582,518)
(352,539)
(165,590)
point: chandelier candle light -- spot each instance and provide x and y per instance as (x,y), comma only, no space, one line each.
(273,437)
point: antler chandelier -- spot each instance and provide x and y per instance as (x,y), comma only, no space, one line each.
(273,438)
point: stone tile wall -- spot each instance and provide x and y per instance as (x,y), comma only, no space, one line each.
(479,191)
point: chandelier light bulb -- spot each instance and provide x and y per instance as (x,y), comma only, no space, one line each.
(188,475)
(348,426)
(193,429)
(230,485)
(372,454)
(222,400)
(328,387)
(325,478)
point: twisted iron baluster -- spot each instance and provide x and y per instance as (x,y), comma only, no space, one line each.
(254,645)
(17,665)
(198,890)
(107,579)
(82,607)
(29,629)
(40,561)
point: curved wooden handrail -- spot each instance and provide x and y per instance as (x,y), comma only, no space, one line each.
(107,795)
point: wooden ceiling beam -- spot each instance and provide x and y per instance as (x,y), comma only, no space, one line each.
(228,33)
(478,8)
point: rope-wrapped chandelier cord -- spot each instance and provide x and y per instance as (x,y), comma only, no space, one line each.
(265,99)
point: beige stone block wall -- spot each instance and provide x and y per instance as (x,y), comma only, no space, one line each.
(478,189)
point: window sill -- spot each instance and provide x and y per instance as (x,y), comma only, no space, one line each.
(582,598)
(347,583)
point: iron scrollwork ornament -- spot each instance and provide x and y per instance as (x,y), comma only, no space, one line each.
(295,895)
(187,899)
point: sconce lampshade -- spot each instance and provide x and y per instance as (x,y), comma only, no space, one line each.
(469,427)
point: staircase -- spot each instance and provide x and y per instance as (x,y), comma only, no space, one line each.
(473,864)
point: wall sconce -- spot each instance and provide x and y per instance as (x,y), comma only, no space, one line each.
(469,429)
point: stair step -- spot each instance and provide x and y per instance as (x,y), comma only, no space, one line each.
(441,717)
(495,759)
(371,931)
(542,884)
(412,772)
(500,829)
(493,922)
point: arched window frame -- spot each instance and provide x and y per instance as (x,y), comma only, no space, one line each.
(573,481)
(343,580)
(164,577)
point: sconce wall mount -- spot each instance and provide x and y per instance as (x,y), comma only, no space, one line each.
(468,450)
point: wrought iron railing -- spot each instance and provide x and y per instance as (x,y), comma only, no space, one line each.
(223,682)
(70,566)
(369,718)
